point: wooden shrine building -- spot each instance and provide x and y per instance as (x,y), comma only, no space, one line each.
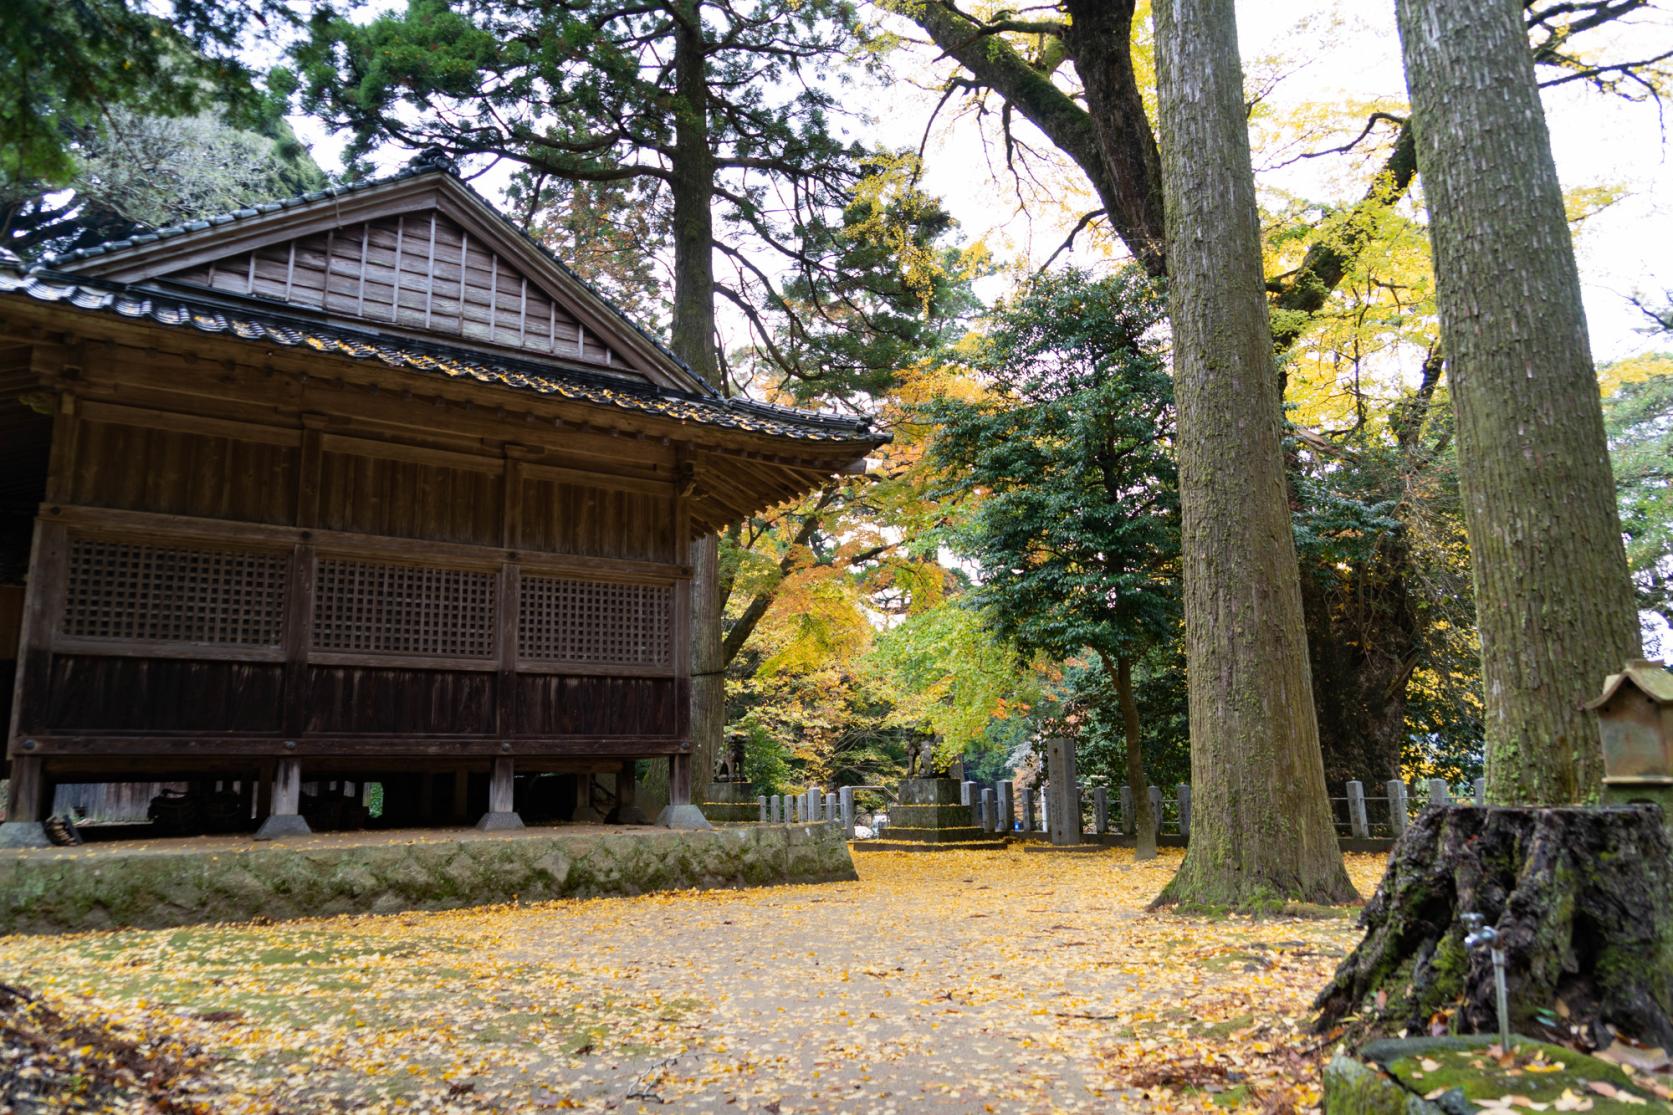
(357,486)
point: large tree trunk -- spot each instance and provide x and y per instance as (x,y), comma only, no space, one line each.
(1579,898)
(1144,819)
(1261,827)
(1553,595)
(694,342)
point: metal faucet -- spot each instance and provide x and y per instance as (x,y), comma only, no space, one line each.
(1481,936)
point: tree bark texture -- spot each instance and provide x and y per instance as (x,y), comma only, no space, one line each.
(1144,820)
(1579,898)
(693,172)
(1261,824)
(1553,595)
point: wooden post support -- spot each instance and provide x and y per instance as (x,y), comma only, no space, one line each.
(1062,806)
(680,813)
(286,818)
(627,795)
(1358,823)
(1396,791)
(1184,798)
(502,808)
(1100,810)
(28,798)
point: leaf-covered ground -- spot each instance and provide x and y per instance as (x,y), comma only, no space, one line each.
(956,981)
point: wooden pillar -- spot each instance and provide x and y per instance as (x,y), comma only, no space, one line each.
(461,794)
(286,818)
(28,797)
(679,779)
(502,809)
(627,795)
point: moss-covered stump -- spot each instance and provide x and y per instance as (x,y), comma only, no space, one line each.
(163,884)
(1580,899)
(1455,1076)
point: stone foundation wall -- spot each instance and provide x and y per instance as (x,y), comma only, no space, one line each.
(94,887)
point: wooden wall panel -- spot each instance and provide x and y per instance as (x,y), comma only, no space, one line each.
(561,517)
(362,700)
(421,271)
(596,706)
(184,473)
(92,693)
(409,499)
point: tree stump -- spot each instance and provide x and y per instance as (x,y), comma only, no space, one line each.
(1582,899)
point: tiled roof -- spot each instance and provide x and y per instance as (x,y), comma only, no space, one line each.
(167,308)
(427,162)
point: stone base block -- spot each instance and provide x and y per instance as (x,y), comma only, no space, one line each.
(682,817)
(884,844)
(930,816)
(949,835)
(283,824)
(1038,846)
(930,791)
(23,834)
(499,822)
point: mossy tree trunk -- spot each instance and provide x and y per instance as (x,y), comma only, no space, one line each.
(1580,899)
(1553,595)
(1261,827)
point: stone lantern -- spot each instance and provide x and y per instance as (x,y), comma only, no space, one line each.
(1635,720)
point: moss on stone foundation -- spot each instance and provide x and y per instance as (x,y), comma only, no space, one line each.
(98,887)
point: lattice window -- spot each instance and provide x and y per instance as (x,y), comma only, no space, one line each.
(370,608)
(127,590)
(564,620)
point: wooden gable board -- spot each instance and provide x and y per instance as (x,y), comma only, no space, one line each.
(420,255)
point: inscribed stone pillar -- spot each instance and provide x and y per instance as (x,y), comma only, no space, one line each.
(1156,808)
(1184,799)
(1007,807)
(990,812)
(1127,825)
(761,800)
(845,800)
(1062,806)
(1100,810)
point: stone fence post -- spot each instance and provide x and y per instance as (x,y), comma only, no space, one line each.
(1397,818)
(1358,823)
(845,802)
(830,806)
(1125,797)
(761,800)
(1156,808)
(1438,792)
(1480,791)
(1184,790)
(1007,811)
(1028,810)
(1100,810)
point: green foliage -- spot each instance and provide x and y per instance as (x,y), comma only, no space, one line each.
(766,760)
(1639,420)
(1076,535)
(67,66)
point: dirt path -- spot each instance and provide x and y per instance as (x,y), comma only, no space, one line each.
(953,982)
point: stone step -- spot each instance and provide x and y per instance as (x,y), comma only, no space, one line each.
(883,844)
